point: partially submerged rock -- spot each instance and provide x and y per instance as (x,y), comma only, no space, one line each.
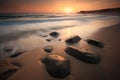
(83,56)
(54,34)
(72,40)
(57,66)
(7,49)
(16,54)
(48,49)
(95,43)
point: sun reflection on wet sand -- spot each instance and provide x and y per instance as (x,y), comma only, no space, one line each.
(86,30)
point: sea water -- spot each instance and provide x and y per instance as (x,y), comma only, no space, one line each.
(22,32)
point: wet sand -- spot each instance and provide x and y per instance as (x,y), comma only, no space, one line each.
(31,67)
(111,55)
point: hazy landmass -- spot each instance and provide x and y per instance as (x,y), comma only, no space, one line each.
(103,11)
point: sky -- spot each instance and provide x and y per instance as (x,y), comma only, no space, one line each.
(54,6)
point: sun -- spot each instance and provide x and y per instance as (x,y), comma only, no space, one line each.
(68,10)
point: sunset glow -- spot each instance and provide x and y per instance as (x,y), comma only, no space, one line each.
(68,10)
(54,6)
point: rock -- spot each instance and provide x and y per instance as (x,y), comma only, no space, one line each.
(54,34)
(44,35)
(73,40)
(60,40)
(8,49)
(16,54)
(48,49)
(95,43)
(8,72)
(83,56)
(57,66)
(48,40)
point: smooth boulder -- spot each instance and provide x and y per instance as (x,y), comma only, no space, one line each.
(95,43)
(73,40)
(57,66)
(83,56)
(54,34)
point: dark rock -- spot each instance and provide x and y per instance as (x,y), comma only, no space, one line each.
(57,66)
(48,49)
(8,49)
(74,39)
(60,39)
(44,35)
(16,54)
(54,34)
(95,43)
(83,56)
(48,40)
(5,75)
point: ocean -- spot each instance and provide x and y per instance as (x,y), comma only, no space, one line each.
(25,32)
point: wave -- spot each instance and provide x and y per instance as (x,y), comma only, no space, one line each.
(17,19)
(12,15)
(28,15)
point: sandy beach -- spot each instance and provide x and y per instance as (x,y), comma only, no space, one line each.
(28,64)
(110,57)
(31,66)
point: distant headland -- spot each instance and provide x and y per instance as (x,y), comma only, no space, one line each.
(102,11)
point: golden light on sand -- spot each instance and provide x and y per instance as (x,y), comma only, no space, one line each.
(68,10)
